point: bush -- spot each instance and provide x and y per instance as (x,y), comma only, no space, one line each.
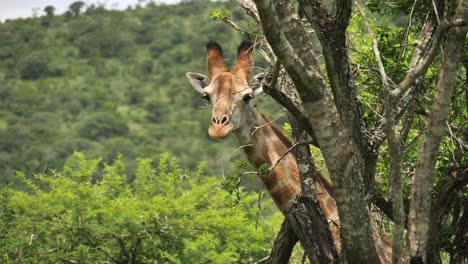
(33,66)
(37,65)
(167,215)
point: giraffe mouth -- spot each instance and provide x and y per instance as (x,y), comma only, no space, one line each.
(220,132)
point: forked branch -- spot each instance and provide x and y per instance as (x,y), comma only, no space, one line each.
(423,64)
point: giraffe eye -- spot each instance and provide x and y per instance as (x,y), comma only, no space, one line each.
(247,98)
(206,97)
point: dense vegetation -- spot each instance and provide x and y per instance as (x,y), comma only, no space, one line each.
(106,83)
(167,215)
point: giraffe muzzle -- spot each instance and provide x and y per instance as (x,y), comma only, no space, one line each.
(221,127)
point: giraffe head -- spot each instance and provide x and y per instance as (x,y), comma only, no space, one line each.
(226,90)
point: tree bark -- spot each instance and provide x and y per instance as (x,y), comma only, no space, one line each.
(305,220)
(331,31)
(306,223)
(421,195)
(284,244)
(306,217)
(311,227)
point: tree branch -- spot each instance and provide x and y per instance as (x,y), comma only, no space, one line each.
(395,149)
(331,31)
(343,12)
(304,221)
(405,38)
(456,180)
(306,217)
(418,69)
(286,101)
(250,9)
(318,16)
(386,207)
(299,71)
(310,225)
(461,239)
(272,167)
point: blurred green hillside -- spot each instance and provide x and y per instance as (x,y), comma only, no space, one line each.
(108,82)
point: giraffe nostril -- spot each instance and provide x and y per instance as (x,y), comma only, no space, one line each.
(224,120)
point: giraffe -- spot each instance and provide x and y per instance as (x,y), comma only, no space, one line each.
(227,90)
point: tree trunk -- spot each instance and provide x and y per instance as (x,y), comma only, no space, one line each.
(306,217)
(305,220)
(421,195)
(284,245)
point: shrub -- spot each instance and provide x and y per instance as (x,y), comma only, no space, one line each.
(33,66)
(167,215)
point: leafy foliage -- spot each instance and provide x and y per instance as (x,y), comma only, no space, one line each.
(166,215)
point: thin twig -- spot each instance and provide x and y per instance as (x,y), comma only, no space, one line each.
(243,175)
(262,260)
(252,133)
(405,39)
(454,137)
(259,206)
(287,152)
(375,46)
(370,107)
(241,147)
(435,11)
(266,124)
(238,198)
(232,24)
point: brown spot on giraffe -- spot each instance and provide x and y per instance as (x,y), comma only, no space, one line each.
(229,93)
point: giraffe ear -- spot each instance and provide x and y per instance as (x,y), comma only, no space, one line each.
(198,81)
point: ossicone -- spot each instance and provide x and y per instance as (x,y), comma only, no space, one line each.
(214,59)
(243,65)
(245,48)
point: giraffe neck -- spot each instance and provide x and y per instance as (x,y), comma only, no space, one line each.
(264,146)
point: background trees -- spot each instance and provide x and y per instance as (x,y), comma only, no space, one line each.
(102,84)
